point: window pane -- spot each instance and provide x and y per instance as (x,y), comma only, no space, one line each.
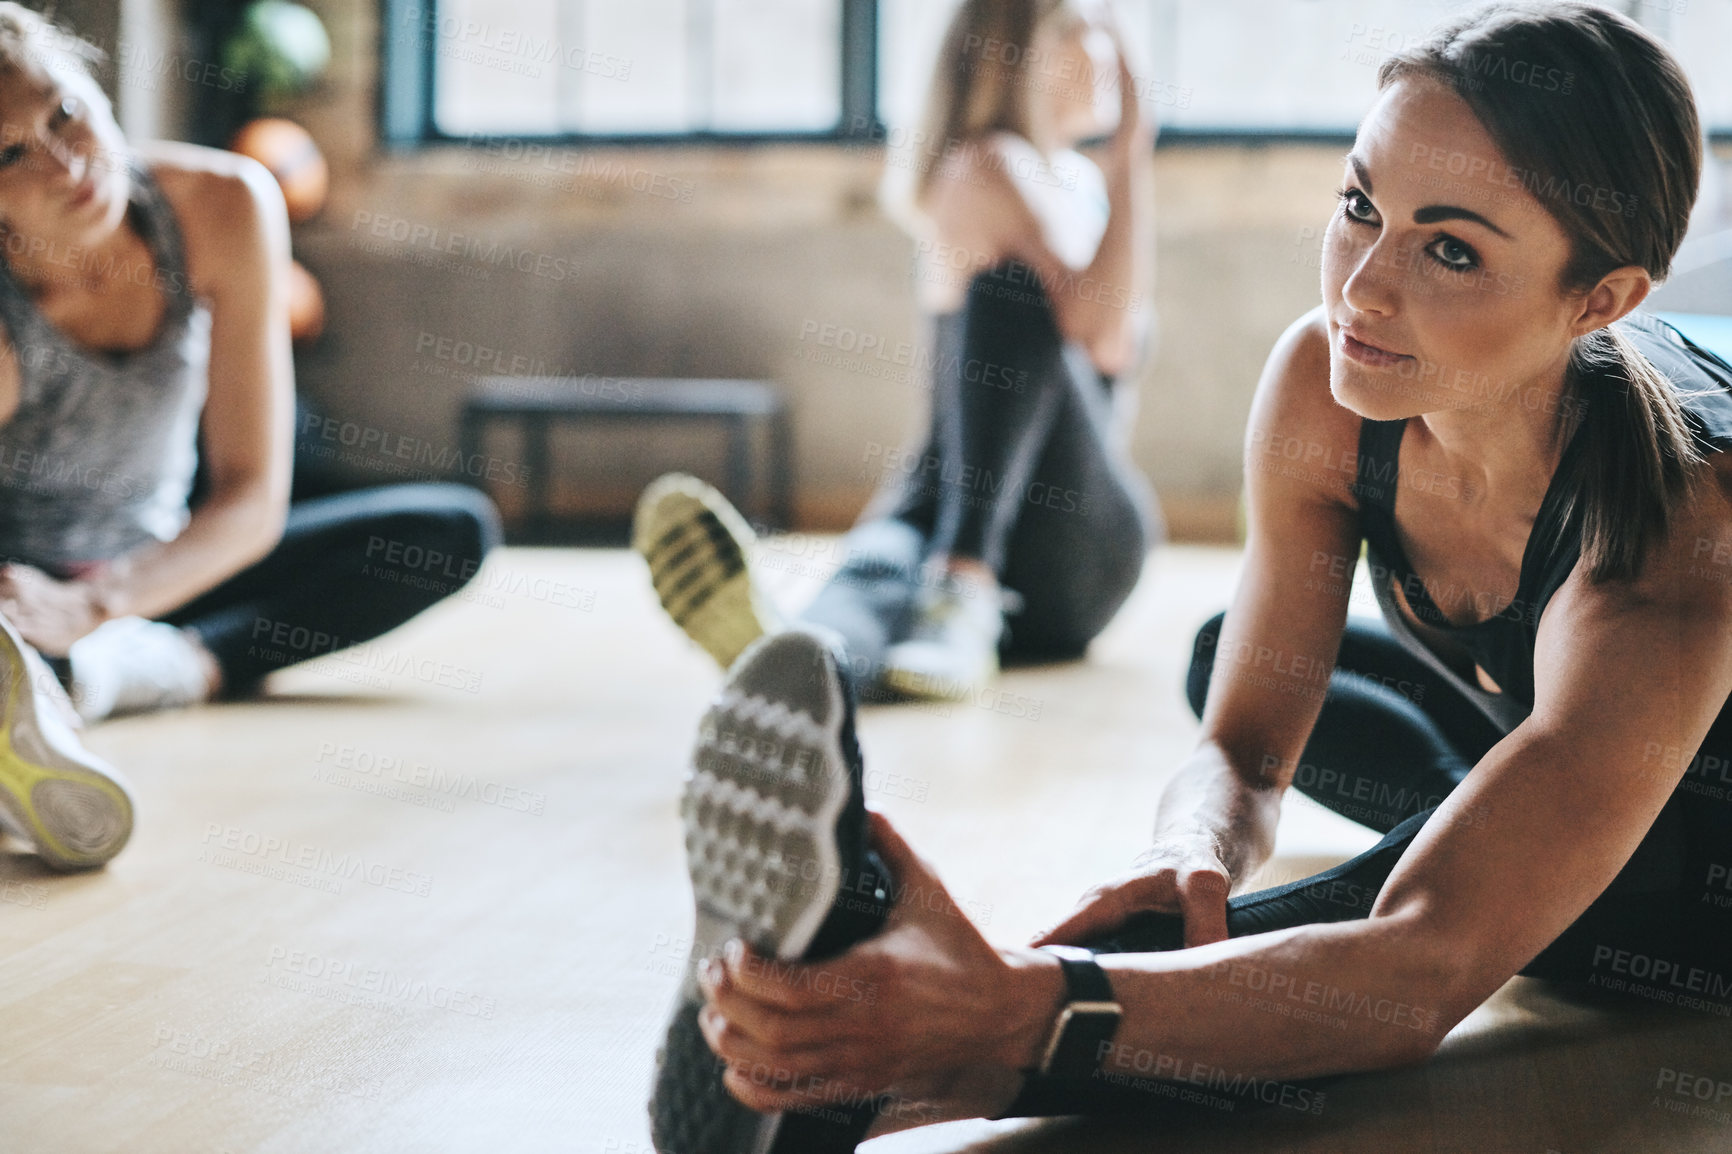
(909,33)
(1701,34)
(778,65)
(495,65)
(652,41)
(1288,64)
(1261,65)
(605,67)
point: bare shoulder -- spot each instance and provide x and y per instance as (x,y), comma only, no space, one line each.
(1693,563)
(1685,575)
(229,207)
(972,185)
(1298,434)
(1669,628)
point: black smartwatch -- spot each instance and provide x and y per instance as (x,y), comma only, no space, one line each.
(1087,1021)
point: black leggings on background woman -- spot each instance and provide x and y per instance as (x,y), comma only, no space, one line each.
(1022,468)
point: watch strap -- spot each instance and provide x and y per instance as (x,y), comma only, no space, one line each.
(1088,1019)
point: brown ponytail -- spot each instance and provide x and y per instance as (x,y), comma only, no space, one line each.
(980,85)
(1597,118)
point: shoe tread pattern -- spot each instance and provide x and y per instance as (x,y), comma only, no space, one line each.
(769,779)
(698,566)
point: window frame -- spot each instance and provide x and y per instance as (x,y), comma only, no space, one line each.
(406,100)
(406,95)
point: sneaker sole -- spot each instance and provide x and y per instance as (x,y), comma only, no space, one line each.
(70,804)
(769,783)
(697,546)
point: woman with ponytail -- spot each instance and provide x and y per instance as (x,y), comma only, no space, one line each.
(1541,476)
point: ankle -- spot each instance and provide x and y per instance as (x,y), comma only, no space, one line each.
(970,570)
(213,670)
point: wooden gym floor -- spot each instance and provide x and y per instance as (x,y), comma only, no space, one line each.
(433,900)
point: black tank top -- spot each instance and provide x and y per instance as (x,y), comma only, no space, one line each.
(1503,645)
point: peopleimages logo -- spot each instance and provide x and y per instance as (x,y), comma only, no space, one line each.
(1496,172)
(387,987)
(286,859)
(445,242)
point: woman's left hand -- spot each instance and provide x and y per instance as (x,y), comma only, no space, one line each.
(49,614)
(909,1008)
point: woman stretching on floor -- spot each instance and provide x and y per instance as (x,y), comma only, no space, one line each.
(1544,479)
(144,325)
(1024,478)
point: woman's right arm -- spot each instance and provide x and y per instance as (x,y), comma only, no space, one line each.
(983,219)
(10,380)
(1216,821)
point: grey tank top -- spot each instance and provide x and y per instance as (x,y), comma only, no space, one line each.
(99,458)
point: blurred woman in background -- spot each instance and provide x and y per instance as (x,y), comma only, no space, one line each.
(144,337)
(1035,264)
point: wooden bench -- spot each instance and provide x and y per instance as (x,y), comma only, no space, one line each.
(536,404)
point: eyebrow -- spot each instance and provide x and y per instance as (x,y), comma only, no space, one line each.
(1359,171)
(1431,213)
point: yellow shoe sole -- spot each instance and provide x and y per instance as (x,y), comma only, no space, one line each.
(72,806)
(698,548)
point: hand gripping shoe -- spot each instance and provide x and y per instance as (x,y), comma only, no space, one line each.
(776,844)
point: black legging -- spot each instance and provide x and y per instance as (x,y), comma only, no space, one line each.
(349,567)
(1391,741)
(1020,470)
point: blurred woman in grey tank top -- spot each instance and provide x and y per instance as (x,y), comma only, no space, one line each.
(144,339)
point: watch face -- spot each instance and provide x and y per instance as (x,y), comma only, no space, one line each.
(1073,1048)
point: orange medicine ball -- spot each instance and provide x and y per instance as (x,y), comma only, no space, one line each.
(306,304)
(288,151)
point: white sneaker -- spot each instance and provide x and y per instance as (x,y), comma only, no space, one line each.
(131,665)
(72,806)
(699,550)
(952,652)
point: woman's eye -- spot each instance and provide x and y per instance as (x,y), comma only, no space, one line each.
(11,156)
(68,109)
(1358,206)
(1451,253)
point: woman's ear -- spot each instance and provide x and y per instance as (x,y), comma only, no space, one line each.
(1616,295)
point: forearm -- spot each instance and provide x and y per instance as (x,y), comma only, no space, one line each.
(1107,301)
(1210,799)
(226,533)
(1297,1003)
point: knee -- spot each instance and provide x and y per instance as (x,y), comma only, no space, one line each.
(1117,570)
(1203,663)
(454,520)
(467,521)
(884,548)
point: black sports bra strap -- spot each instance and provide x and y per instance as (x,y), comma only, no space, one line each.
(1379,454)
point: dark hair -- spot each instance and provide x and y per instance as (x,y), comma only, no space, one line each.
(1597,117)
(28,37)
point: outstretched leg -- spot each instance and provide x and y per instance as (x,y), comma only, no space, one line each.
(348,568)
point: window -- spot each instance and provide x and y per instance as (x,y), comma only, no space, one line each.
(741,69)
(1256,69)
(644,70)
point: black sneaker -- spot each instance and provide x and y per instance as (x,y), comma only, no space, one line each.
(775,820)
